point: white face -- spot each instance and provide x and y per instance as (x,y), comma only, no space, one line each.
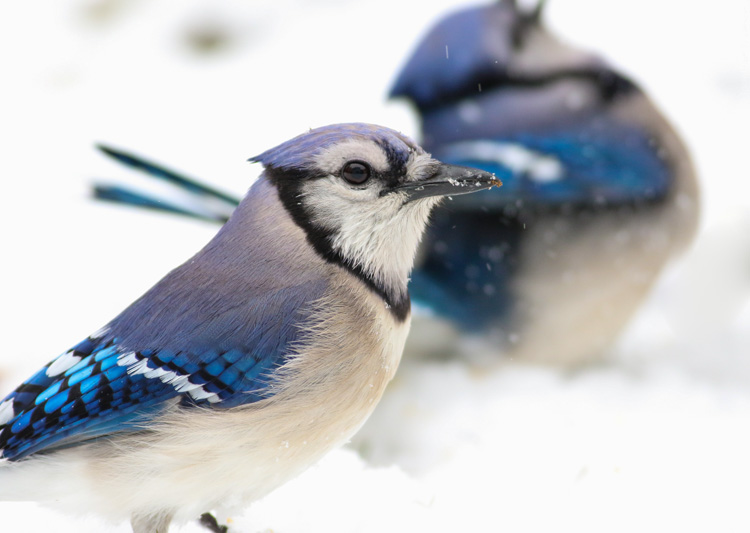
(378,234)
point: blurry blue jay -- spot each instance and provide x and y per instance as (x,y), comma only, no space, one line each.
(265,350)
(600,191)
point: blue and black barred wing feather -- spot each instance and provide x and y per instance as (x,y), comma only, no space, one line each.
(98,388)
(185,196)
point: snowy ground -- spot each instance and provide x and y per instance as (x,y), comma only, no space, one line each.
(655,438)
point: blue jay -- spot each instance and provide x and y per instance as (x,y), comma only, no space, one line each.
(243,366)
(599,190)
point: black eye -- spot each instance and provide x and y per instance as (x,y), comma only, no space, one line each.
(356,172)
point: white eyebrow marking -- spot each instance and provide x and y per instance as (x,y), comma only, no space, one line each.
(332,158)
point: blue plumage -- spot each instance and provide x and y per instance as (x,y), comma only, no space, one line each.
(459,53)
(253,359)
(203,207)
(579,166)
(474,247)
(207,203)
(123,195)
(188,184)
(108,388)
(466,277)
(582,154)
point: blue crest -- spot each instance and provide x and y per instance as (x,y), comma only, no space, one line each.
(299,153)
(467,46)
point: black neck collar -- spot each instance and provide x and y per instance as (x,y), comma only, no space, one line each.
(289,184)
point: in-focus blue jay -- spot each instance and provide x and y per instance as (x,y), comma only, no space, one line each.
(250,361)
(600,192)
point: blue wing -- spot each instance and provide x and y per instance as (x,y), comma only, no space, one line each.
(466,271)
(120,380)
(586,164)
(98,388)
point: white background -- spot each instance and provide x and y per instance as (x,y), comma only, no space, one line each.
(655,438)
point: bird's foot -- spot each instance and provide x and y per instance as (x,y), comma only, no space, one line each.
(208,521)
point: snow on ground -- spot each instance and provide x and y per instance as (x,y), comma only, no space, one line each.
(655,438)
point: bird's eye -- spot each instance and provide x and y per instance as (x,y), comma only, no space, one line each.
(356,172)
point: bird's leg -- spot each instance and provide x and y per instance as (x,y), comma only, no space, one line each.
(208,521)
(158,523)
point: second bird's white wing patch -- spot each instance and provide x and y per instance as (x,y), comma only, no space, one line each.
(536,165)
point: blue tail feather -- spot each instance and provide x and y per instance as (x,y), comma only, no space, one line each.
(160,172)
(123,195)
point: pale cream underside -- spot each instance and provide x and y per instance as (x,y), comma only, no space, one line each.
(196,460)
(581,291)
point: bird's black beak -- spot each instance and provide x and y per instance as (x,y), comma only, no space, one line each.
(449,180)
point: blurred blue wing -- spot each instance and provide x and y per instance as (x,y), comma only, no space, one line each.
(578,166)
(465,271)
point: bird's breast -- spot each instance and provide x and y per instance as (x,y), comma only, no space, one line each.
(199,458)
(349,352)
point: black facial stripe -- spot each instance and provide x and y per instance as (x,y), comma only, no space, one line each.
(289,184)
(611,84)
(396,164)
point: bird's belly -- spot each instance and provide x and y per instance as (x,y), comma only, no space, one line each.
(193,459)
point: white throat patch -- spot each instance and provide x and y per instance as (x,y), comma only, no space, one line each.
(378,235)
